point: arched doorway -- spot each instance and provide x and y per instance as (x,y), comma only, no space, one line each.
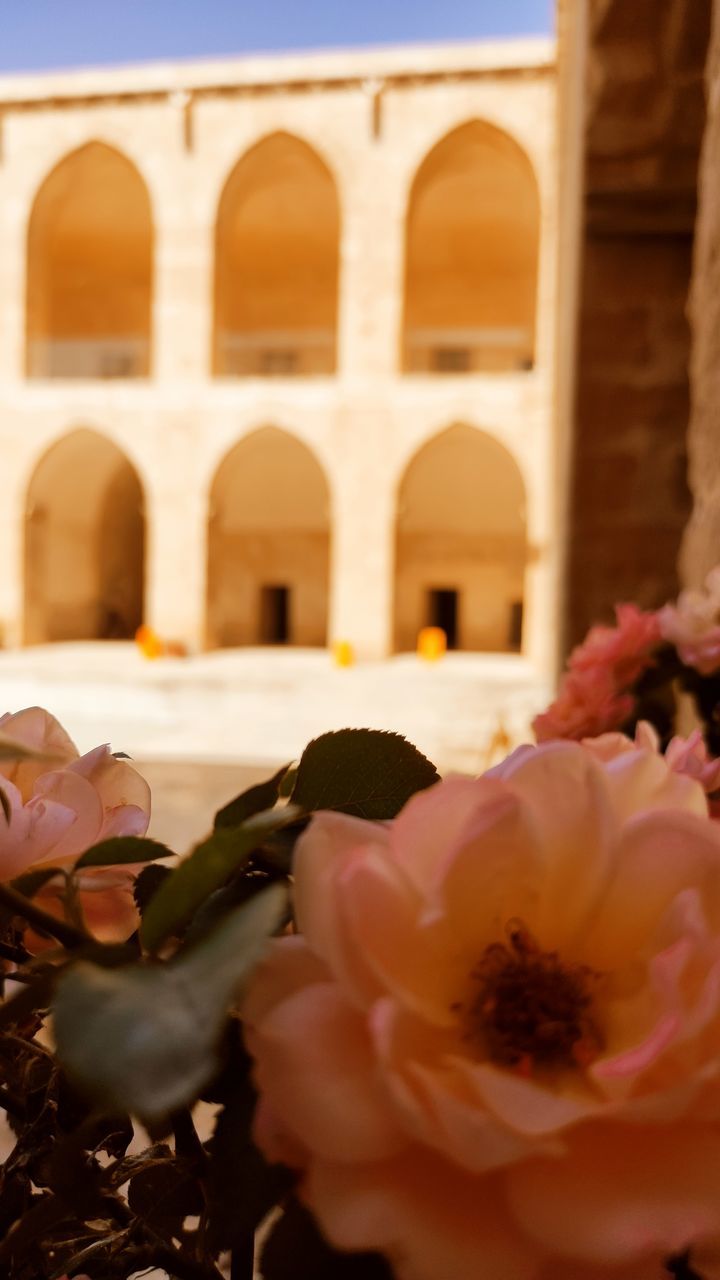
(276,263)
(268,544)
(472,239)
(84,543)
(461,544)
(89,269)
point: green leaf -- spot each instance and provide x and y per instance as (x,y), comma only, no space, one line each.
(147,884)
(207,868)
(364,772)
(120,850)
(5,806)
(262,796)
(144,1039)
(241,1187)
(33,881)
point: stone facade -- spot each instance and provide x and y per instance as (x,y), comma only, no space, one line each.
(644,115)
(246,310)
(701,547)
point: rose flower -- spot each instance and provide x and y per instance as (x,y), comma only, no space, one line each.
(493,1051)
(61,805)
(693,625)
(594,695)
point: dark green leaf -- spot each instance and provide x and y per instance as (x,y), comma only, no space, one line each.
(262,796)
(26,1002)
(144,1039)
(241,1187)
(5,806)
(206,869)
(121,850)
(33,881)
(164,1194)
(363,772)
(295,1250)
(148,883)
(288,782)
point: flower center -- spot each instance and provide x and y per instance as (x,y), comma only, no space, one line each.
(530,1009)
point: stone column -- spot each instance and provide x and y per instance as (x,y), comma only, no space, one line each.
(371,270)
(701,544)
(175,559)
(183,281)
(362,556)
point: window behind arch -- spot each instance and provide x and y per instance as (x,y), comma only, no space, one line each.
(276,264)
(89,269)
(471,256)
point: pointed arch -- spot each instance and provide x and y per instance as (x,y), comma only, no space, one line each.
(277,238)
(461,543)
(268,544)
(471,257)
(84,542)
(89,269)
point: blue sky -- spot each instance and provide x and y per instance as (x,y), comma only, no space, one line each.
(41,34)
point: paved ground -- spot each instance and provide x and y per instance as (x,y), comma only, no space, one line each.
(186,796)
(263,705)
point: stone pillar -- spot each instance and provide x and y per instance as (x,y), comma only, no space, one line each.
(183,282)
(12,528)
(13,252)
(362,559)
(371,271)
(701,545)
(175,559)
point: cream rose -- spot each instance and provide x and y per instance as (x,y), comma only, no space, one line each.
(494,1049)
(60,806)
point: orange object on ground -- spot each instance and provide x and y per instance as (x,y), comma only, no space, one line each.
(343,653)
(148,642)
(431,643)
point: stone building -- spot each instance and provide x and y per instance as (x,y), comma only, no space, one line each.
(278,351)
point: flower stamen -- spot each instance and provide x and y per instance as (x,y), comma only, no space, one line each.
(530,1009)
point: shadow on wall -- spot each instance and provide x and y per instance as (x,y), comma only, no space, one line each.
(89,269)
(461,544)
(84,543)
(268,545)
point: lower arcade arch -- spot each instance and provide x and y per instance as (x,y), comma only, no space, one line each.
(461,544)
(84,543)
(268,545)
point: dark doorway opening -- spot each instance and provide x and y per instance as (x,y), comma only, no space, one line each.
(274,615)
(515,627)
(442,611)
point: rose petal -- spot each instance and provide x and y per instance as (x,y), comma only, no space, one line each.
(621,1194)
(315,1064)
(432,1221)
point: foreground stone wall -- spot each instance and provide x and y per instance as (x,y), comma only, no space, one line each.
(645,116)
(701,547)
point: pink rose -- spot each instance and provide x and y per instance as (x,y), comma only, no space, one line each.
(693,625)
(625,650)
(588,703)
(683,755)
(61,806)
(494,1052)
(593,696)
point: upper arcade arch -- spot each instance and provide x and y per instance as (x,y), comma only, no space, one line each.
(84,542)
(471,255)
(461,543)
(89,269)
(268,544)
(277,263)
